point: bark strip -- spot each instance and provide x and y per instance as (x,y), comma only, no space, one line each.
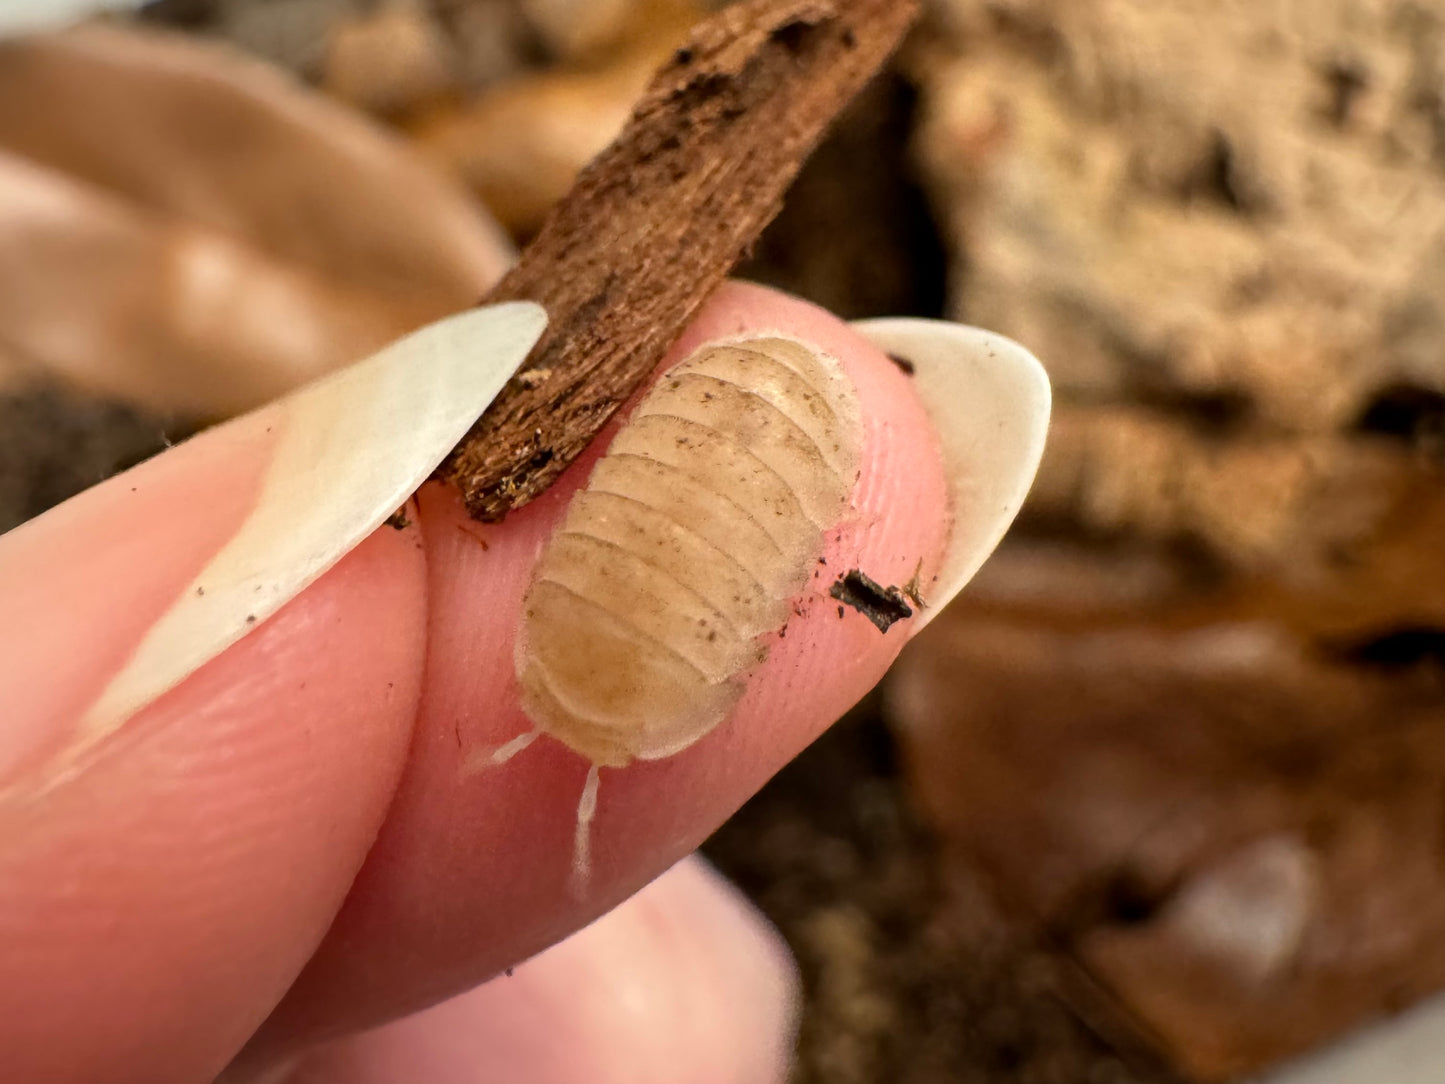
(656,221)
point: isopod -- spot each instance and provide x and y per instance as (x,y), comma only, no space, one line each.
(648,606)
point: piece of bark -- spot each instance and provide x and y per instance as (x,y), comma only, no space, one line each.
(1257,501)
(657,220)
(1229,204)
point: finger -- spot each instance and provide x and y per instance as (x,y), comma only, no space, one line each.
(685,981)
(471,872)
(153,908)
(164,873)
(160,894)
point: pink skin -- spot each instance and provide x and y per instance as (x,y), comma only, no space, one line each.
(655,980)
(287,841)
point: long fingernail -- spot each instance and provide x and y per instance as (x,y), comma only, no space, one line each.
(989,399)
(1405,1049)
(351,448)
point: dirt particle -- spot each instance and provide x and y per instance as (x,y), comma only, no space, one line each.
(912,590)
(1346,81)
(474,536)
(881,605)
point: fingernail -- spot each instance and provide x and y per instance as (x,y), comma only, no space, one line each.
(351,449)
(989,400)
(1407,1048)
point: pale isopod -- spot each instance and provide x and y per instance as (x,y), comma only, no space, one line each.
(695,531)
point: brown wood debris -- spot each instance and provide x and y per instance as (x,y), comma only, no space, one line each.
(657,220)
(884,606)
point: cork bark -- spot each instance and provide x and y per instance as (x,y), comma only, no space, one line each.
(1201,688)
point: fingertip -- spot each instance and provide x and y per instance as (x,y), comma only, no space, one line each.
(158,904)
(685,981)
(471,871)
(989,400)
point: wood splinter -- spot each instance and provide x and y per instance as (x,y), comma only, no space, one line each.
(654,224)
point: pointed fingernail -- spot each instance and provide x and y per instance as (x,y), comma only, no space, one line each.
(989,400)
(1407,1048)
(351,449)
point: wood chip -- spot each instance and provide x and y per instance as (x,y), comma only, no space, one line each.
(654,223)
(884,606)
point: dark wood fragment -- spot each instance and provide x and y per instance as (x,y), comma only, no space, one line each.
(881,605)
(657,220)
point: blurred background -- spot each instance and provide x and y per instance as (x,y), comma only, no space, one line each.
(1161,798)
